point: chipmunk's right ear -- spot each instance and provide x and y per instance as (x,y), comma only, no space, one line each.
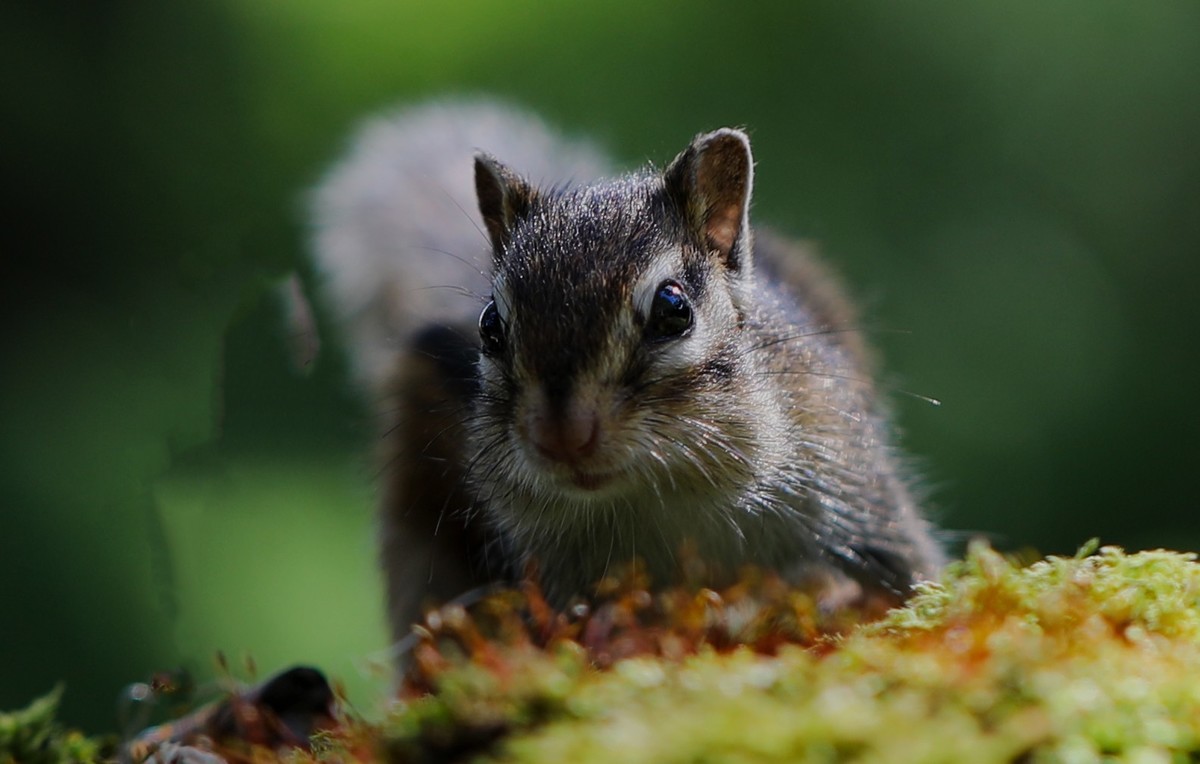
(503,196)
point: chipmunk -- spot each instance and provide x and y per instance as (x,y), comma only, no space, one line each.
(596,371)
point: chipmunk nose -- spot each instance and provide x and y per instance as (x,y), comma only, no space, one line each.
(569,438)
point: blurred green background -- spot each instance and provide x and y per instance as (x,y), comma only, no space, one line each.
(1014,185)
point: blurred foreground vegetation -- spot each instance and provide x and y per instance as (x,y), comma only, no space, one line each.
(1087,658)
(1012,188)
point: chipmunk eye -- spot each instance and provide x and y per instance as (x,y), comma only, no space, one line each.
(670,313)
(491,329)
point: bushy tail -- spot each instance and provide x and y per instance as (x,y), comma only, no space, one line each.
(397,236)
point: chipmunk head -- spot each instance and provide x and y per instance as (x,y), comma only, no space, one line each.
(612,345)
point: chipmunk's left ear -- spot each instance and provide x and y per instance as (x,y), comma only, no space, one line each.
(711,183)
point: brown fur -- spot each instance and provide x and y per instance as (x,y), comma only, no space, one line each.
(424,511)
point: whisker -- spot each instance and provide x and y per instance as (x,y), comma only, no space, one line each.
(482,234)
(849,378)
(474,266)
(813,332)
(462,290)
(829,329)
(918,396)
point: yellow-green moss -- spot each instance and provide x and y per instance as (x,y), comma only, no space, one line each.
(33,736)
(1091,658)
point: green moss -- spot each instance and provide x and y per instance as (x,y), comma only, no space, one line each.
(1091,658)
(33,736)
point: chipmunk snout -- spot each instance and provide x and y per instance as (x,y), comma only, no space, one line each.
(569,437)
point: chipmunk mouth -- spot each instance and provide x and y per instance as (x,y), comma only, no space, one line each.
(582,481)
(590,481)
